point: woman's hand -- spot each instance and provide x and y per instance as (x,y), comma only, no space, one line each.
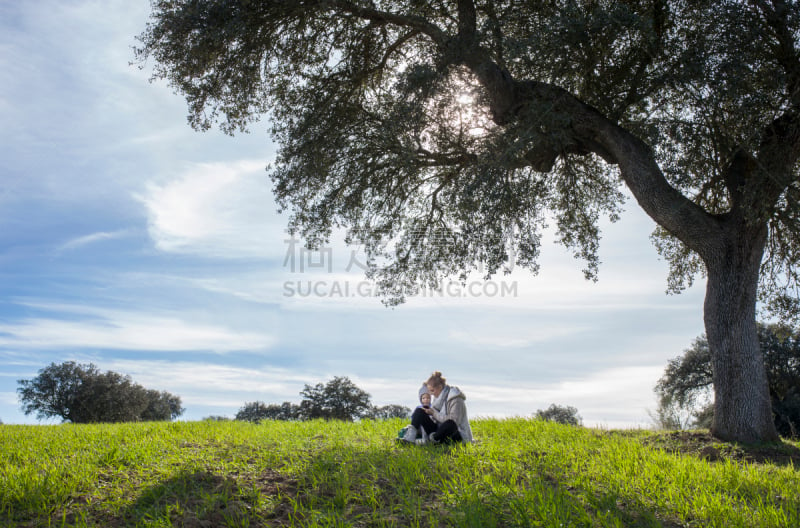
(428,410)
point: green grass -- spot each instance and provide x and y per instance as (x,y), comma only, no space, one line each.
(519,472)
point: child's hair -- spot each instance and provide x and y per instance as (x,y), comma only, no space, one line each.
(437,380)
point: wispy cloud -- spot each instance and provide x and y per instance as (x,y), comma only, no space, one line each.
(513,337)
(93,238)
(210,388)
(119,330)
(222,210)
(211,377)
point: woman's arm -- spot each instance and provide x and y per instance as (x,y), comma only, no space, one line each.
(440,416)
(456,410)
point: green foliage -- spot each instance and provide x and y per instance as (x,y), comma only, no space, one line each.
(216,418)
(685,385)
(565,415)
(83,394)
(338,399)
(257,411)
(388,412)
(668,416)
(161,406)
(367,101)
(331,473)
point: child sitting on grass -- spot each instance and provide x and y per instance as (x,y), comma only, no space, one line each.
(421,423)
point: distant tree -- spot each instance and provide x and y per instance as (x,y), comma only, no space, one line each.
(252,412)
(704,416)
(684,389)
(216,418)
(83,394)
(339,399)
(286,411)
(687,380)
(388,412)
(110,397)
(162,406)
(668,416)
(566,415)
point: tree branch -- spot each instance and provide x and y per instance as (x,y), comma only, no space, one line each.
(497,34)
(588,129)
(776,17)
(777,155)
(376,15)
(593,131)
(396,45)
(467,21)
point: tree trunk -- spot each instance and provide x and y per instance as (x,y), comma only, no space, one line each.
(742,407)
(731,245)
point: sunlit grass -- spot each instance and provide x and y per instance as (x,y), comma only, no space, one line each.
(519,472)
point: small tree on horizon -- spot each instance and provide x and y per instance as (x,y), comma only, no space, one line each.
(563,414)
(387,412)
(286,411)
(338,399)
(252,412)
(216,418)
(258,411)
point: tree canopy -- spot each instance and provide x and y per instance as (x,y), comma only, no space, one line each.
(563,414)
(338,399)
(387,412)
(444,135)
(81,393)
(257,411)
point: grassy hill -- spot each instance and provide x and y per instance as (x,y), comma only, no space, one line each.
(519,472)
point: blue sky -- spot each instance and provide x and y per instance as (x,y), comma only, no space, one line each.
(133,242)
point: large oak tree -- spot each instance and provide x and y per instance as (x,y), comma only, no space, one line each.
(411,122)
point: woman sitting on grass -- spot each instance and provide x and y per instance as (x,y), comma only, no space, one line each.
(445,420)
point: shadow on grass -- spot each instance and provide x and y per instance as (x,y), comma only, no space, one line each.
(705,446)
(203,500)
(406,485)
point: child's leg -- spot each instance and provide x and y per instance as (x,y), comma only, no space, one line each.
(421,419)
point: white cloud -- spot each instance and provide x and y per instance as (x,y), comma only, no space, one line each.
(93,238)
(210,378)
(616,397)
(8,398)
(128,331)
(222,210)
(512,336)
(209,388)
